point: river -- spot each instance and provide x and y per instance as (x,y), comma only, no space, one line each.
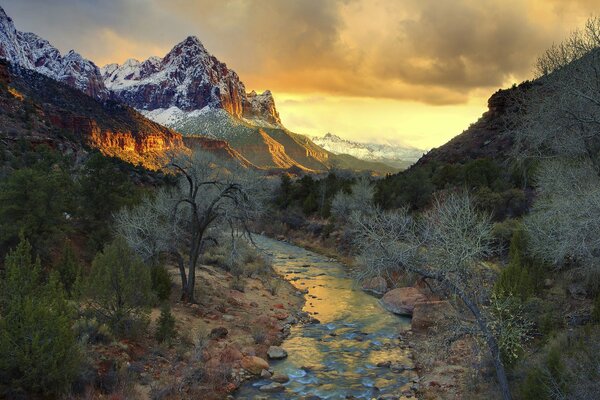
(337,358)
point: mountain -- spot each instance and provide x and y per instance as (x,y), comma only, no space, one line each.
(192,92)
(32,52)
(187,78)
(40,110)
(188,90)
(395,156)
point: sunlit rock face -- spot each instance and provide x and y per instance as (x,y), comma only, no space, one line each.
(32,52)
(67,119)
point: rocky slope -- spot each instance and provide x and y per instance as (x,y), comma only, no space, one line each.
(489,136)
(192,92)
(393,155)
(32,52)
(188,90)
(40,110)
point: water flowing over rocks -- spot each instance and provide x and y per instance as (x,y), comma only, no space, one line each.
(345,345)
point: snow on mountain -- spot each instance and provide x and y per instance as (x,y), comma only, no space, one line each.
(188,78)
(391,154)
(32,52)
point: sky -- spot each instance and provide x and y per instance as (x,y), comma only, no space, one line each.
(410,72)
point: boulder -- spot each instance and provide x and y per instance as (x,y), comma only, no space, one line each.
(276,353)
(272,387)
(402,300)
(254,364)
(218,333)
(427,314)
(376,285)
(280,378)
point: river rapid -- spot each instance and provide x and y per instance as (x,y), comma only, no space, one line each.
(336,358)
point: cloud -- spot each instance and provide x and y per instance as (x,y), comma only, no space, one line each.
(429,51)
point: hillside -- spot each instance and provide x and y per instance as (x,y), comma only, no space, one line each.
(38,109)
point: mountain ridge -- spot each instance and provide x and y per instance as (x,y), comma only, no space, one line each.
(33,52)
(394,155)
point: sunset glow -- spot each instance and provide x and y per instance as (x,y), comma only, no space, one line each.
(411,72)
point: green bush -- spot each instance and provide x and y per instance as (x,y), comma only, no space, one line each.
(523,275)
(165,326)
(34,202)
(68,268)
(38,350)
(596,309)
(119,289)
(89,330)
(161,282)
(534,386)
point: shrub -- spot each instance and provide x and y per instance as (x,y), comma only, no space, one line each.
(259,334)
(89,330)
(38,350)
(161,282)
(534,386)
(119,289)
(273,286)
(165,329)
(68,268)
(522,276)
(237,283)
(596,309)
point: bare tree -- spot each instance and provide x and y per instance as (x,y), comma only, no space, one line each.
(579,43)
(560,131)
(209,197)
(564,222)
(360,199)
(153,229)
(445,247)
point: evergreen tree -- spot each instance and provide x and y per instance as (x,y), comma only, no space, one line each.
(119,289)
(68,268)
(165,326)
(38,350)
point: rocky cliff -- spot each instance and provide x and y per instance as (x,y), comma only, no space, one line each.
(32,52)
(40,110)
(489,136)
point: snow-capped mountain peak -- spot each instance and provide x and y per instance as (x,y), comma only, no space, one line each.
(32,52)
(189,78)
(394,155)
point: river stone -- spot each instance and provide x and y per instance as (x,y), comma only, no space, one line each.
(402,300)
(272,387)
(429,313)
(265,374)
(276,353)
(254,364)
(280,378)
(376,285)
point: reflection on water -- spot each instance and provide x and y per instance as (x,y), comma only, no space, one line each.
(336,359)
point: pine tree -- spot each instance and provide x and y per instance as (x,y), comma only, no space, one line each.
(119,289)
(165,326)
(68,268)
(38,350)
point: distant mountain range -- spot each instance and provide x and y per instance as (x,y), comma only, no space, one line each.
(191,92)
(394,155)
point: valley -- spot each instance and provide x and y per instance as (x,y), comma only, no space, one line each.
(168,233)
